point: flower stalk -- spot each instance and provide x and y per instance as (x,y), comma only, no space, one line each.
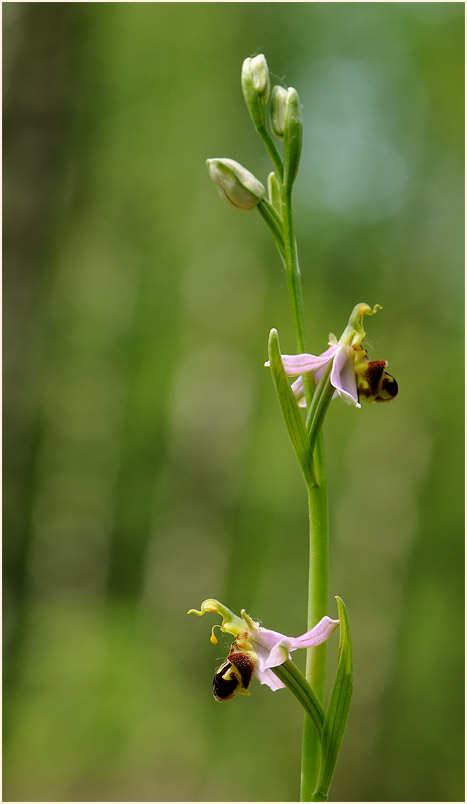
(343,370)
(296,682)
(316,485)
(318,570)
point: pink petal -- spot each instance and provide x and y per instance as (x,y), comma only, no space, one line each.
(280,653)
(343,377)
(298,364)
(319,372)
(265,640)
(320,633)
(299,392)
(273,648)
(269,678)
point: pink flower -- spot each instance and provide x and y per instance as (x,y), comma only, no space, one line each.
(273,648)
(340,357)
(351,374)
(256,650)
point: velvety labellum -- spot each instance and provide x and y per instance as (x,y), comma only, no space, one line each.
(376,384)
(234,675)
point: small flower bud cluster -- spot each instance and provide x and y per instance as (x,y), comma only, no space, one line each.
(286,119)
(240,188)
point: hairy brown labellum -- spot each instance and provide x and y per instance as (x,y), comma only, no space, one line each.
(376,384)
(234,675)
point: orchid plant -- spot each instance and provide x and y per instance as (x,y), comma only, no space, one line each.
(343,371)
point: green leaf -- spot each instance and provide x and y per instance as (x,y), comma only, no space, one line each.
(290,410)
(338,709)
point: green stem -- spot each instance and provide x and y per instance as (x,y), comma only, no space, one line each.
(273,221)
(318,797)
(319,406)
(317,506)
(296,682)
(272,151)
(317,606)
(294,279)
(317,503)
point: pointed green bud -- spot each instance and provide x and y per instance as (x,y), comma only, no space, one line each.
(278,105)
(274,192)
(256,87)
(235,184)
(293,131)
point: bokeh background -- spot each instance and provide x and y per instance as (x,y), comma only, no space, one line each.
(146,464)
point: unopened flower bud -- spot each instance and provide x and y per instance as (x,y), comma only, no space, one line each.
(278,104)
(260,75)
(235,183)
(256,87)
(293,130)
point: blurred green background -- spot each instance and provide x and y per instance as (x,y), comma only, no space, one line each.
(146,463)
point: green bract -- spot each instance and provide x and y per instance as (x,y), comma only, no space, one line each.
(338,708)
